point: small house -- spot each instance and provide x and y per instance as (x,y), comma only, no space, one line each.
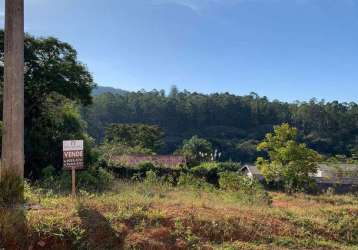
(252,172)
(341,177)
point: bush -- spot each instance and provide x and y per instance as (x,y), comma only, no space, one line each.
(140,172)
(235,182)
(206,170)
(94,178)
(211,170)
(251,189)
(189,180)
(151,178)
(228,166)
(146,166)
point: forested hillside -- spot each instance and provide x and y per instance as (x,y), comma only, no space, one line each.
(98,90)
(234,124)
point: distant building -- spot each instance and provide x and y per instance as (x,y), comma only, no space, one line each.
(168,161)
(342,174)
(342,177)
(252,172)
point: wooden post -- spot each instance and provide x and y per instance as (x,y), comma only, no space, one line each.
(13,107)
(73,182)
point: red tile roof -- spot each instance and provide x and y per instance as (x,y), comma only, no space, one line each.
(170,161)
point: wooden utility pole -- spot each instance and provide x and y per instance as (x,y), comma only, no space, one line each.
(13,103)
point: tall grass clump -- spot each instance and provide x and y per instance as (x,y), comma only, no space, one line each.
(188,180)
(246,188)
(344,223)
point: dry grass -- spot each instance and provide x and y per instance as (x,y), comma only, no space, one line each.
(158,216)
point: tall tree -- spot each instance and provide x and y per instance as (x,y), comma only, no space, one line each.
(289,161)
(55,83)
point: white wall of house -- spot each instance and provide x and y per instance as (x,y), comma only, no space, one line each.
(319,173)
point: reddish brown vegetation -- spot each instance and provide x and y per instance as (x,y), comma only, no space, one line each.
(168,161)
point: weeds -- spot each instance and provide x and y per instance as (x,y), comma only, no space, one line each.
(185,233)
(344,224)
(155,214)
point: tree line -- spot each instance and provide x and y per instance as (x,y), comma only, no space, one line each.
(233,124)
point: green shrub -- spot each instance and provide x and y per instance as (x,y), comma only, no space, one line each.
(250,190)
(228,166)
(169,179)
(146,166)
(50,178)
(186,234)
(94,178)
(151,178)
(236,182)
(206,170)
(211,170)
(189,180)
(48,172)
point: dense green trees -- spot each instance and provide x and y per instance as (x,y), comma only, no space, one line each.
(55,84)
(135,135)
(233,124)
(122,139)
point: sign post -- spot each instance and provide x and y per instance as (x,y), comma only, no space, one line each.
(73,182)
(73,159)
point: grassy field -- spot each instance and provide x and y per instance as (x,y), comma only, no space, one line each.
(158,216)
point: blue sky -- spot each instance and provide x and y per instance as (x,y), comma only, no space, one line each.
(284,49)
